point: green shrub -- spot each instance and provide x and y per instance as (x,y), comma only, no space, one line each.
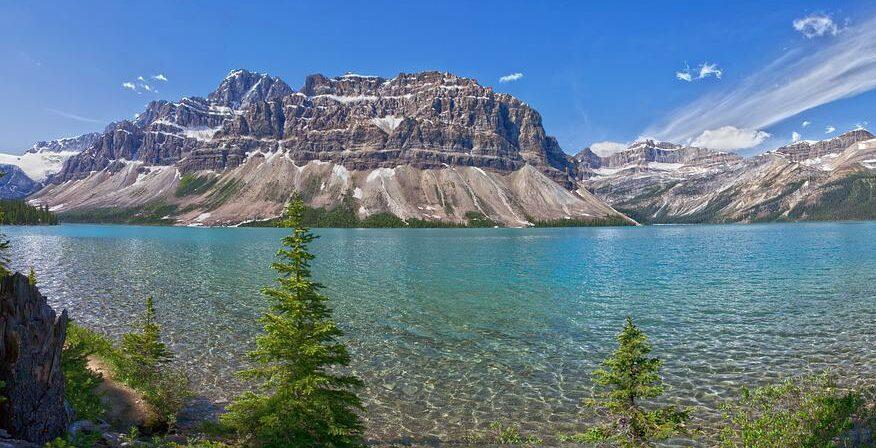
(810,412)
(81,381)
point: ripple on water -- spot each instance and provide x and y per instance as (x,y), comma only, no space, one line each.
(454,329)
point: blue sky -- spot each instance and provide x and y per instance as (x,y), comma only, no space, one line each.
(596,71)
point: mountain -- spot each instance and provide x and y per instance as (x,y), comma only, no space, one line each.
(430,146)
(658,182)
(25,173)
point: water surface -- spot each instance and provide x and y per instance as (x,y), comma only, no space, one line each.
(452,329)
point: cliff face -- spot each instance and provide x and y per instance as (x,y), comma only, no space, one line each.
(462,148)
(31,340)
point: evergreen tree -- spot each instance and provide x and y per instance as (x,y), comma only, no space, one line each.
(144,365)
(4,248)
(143,349)
(31,277)
(300,400)
(628,377)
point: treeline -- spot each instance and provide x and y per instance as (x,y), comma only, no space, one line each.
(19,212)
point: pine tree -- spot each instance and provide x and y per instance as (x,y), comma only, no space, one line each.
(144,365)
(143,349)
(4,247)
(300,400)
(31,277)
(628,377)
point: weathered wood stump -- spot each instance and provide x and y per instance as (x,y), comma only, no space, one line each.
(31,340)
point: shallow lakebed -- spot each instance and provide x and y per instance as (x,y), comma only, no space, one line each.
(452,329)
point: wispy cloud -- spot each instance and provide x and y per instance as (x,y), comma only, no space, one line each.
(73,116)
(800,80)
(806,124)
(129,85)
(829,130)
(795,137)
(511,77)
(146,87)
(706,70)
(861,125)
(816,25)
(160,77)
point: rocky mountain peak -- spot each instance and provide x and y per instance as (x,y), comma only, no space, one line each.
(804,150)
(241,88)
(69,144)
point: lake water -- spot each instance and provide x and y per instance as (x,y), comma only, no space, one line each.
(452,329)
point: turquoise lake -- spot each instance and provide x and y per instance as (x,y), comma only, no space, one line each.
(452,329)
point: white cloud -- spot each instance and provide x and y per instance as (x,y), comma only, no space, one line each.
(140,78)
(806,124)
(511,77)
(607,148)
(160,77)
(829,130)
(684,76)
(707,70)
(730,138)
(861,125)
(803,78)
(129,85)
(816,25)
(795,137)
(146,87)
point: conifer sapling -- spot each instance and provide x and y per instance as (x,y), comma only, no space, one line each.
(301,400)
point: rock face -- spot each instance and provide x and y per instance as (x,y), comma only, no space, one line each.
(656,182)
(31,340)
(428,145)
(15,183)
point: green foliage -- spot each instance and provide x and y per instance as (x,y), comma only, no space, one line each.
(222,193)
(151,213)
(19,212)
(344,216)
(31,277)
(807,412)
(607,221)
(80,440)
(478,219)
(850,197)
(81,381)
(301,400)
(501,434)
(191,184)
(628,377)
(144,365)
(2,385)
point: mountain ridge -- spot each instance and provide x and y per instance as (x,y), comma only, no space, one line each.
(429,145)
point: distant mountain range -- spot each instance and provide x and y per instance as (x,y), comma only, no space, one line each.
(24,174)
(656,182)
(427,146)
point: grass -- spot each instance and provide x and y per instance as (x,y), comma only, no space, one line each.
(191,184)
